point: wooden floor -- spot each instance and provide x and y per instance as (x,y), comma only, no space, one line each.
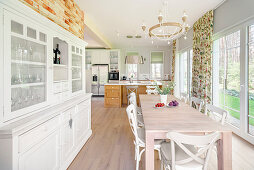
(111,145)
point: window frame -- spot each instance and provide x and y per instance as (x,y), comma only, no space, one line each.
(150,65)
(189,72)
(244,76)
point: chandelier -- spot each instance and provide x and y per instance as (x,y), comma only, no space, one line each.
(166,30)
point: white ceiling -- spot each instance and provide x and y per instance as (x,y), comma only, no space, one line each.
(126,17)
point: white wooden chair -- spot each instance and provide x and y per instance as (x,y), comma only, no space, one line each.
(151,90)
(139,134)
(184,155)
(184,96)
(139,110)
(139,117)
(198,103)
(216,113)
(131,89)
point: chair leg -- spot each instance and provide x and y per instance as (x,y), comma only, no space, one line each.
(162,165)
(159,152)
(137,157)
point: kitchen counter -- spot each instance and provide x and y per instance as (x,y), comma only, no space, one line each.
(135,83)
(116,94)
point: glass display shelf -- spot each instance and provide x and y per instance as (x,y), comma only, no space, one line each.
(22,97)
(76,85)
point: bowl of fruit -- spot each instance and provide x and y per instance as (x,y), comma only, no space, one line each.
(159,105)
(173,103)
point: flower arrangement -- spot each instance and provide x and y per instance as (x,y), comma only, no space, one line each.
(166,88)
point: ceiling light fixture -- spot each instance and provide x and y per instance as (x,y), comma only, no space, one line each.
(166,30)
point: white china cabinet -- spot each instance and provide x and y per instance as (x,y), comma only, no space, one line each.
(45,114)
(26,77)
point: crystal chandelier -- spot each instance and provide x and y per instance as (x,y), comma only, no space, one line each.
(166,30)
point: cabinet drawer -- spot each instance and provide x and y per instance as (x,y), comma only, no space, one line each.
(112,87)
(112,93)
(57,87)
(83,105)
(112,101)
(33,136)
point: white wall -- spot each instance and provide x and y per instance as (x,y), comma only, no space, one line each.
(228,14)
(146,53)
(232,12)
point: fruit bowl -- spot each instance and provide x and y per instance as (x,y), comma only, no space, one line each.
(159,105)
(173,103)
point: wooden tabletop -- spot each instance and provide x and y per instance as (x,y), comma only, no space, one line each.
(182,118)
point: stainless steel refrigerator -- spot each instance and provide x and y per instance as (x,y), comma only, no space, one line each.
(100,78)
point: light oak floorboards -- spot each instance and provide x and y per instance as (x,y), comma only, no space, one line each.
(111,145)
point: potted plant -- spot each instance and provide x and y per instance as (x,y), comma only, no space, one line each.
(165,90)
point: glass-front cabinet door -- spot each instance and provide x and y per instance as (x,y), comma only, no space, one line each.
(25,63)
(77,67)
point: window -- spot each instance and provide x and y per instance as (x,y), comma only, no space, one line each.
(156,65)
(251,80)
(226,76)
(186,71)
(132,69)
(190,72)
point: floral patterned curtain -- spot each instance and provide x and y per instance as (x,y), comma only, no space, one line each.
(173,61)
(202,57)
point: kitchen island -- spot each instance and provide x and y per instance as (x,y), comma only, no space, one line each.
(116,92)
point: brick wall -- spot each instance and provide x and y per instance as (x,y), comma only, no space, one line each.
(65,13)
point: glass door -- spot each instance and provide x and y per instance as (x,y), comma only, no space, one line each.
(76,69)
(251,81)
(25,67)
(226,76)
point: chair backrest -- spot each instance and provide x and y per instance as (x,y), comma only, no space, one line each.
(216,113)
(198,103)
(151,91)
(133,99)
(131,110)
(184,96)
(131,89)
(205,144)
(150,87)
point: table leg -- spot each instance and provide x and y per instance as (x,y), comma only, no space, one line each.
(149,156)
(224,151)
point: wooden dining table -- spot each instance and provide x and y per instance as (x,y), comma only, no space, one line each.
(183,119)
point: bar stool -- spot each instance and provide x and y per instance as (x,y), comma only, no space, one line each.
(131,89)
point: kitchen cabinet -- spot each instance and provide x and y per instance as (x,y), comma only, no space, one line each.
(50,140)
(31,81)
(39,115)
(45,155)
(100,57)
(25,66)
(112,97)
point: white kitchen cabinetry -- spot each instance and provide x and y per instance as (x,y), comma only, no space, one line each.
(100,57)
(31,81)
(49,140)
(45,116)
(25,66)
(45,155)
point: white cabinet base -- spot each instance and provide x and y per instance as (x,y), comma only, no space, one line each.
(50,139)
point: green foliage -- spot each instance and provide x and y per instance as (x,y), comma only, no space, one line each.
(166,88)
(234,103)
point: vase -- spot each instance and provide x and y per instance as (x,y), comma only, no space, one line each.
(164,99)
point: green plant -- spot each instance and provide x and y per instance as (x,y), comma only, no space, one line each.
(166,88)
